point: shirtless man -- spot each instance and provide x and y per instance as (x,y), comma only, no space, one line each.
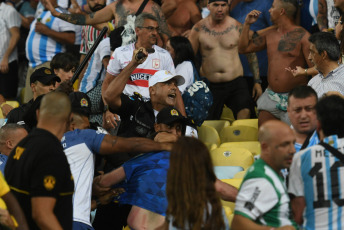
(118,10)
(181,15)
(287,46)
(217,37)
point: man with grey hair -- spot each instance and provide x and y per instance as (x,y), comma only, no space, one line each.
(147,29)
(324,53)
(10,135)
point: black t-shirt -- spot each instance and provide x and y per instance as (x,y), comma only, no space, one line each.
(38,167)
(137,120)
(17,114)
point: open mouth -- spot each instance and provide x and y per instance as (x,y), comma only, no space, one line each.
(172,95)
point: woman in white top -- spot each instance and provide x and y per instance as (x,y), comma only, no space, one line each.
(183,58)
(193,202)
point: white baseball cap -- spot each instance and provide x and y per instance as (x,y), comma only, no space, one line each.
(164,76)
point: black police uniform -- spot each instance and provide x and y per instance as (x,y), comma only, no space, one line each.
(38,167)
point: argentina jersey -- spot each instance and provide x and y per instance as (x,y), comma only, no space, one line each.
(318,176)
(313,140)
(41,48)
(95,70)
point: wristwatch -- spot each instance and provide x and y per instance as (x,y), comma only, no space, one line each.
(106,108)
(259,81)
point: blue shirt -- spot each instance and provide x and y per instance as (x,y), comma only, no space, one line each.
(145,184)
(239,13)
(3,160)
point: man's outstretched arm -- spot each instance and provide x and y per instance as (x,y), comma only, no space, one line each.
(103,15)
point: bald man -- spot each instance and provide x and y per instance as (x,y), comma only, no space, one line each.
(263,201)
(10,135)
(37,169)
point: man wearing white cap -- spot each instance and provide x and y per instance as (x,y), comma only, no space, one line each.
(138,116)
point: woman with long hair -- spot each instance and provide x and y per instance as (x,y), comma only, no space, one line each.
(193,202)
(183,58)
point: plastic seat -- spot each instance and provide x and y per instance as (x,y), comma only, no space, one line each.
(14,104)
(252,146)
(232,157)
(217,124)
(210,146)
(248,122)
(227,114)
(238,133)
(236,183)
(240,175)
(208,135)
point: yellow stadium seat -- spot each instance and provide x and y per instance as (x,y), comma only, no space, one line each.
(217,124)
(252,146)
(240,175)
(232,157)
(236,183)
(14,104)
(208,135)
(238,133)
(228,212)
(248,122)
(210,146)
(227,114)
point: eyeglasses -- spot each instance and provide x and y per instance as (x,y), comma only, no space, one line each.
(151,28)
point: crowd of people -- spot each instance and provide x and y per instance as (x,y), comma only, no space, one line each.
(109,140)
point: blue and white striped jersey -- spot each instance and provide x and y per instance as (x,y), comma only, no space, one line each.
(95,70)
(318,176)
(41,48)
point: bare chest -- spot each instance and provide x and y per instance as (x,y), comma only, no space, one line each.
(226,38)
(286,45)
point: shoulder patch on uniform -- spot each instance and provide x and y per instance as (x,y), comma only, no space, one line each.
(49,182)
(19,152)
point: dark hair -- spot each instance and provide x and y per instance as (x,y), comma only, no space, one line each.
(325,41)
(65,61)
(291,7)
(190,187)
(303,91)
(182,49)
(330,113)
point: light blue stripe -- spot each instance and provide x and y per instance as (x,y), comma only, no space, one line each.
(339,214)
(306,165)
(44,40)
(327,170)
(86,75)
(30,46)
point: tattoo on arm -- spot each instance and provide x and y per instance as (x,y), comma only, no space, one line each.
(253,64)
(77,19)
(161,20)
(289,41)
(257,40)
(121,14)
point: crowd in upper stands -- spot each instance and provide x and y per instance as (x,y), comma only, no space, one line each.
(102,103)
